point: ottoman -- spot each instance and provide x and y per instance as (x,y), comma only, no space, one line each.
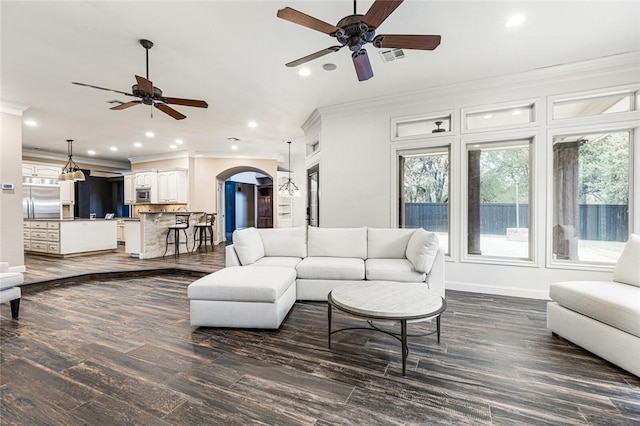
(243,297)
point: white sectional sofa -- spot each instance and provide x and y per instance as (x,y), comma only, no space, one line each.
(269,269)
(324,258)
(603,316)
(10,283)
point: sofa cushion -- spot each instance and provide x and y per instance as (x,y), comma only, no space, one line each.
(392,270)
(612,303)
(10,279)
(286,262)
(243,283)
(388,243)
(286,242)
(248,245)
(331,268)
(628,267)
(337,242)
(422,249)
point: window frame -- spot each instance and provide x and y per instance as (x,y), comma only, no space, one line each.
(395,121)
(496,140)
(634,190)
(533,102)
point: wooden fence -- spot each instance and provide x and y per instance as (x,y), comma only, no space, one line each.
(600,222)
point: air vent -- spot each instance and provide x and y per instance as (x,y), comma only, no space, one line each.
(391,55)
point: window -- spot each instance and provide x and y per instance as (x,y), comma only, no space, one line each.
(590,196)
(407,128)
(594,105)
(498,199)
(424,189)
(503,117)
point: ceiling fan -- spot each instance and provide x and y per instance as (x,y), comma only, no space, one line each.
(151,95)
(357,30)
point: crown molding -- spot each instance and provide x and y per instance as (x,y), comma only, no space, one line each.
(608,65)
(90,161)
(159,157)
(13,108)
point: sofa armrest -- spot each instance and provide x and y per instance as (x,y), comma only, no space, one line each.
(231,257)
(435,278)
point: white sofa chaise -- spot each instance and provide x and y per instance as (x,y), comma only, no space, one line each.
(324,258)
(10,288)
(603,317)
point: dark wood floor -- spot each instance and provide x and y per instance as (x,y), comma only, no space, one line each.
(118,349)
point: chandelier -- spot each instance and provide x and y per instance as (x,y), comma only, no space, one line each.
(71,171)
(289,189)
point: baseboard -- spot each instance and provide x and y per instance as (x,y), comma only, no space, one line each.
(20,268)
(498,290)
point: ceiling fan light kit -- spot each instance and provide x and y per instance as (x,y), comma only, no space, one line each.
(357,30)
(150,95)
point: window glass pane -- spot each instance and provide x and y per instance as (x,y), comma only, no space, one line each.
(500,118)
(425,193)
(591,196)
(498,200)
(588,107)
(423,126)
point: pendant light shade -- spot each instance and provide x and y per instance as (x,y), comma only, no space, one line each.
(289,189)
(71,171)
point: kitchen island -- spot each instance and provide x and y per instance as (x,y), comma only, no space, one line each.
(69,237)
(146,238)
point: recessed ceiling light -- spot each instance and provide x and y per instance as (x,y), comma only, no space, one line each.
(172,146)
(137,144)
(252,124)
(514,21)
(487,116)
(304,72)
(329,67)
(30,123)
(234,147)
(114,148)
(91,152)
(179,141)
(149,134)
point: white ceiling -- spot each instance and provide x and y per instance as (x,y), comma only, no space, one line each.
(232,54)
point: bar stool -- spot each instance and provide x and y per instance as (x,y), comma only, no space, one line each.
(181,224)
(200,232)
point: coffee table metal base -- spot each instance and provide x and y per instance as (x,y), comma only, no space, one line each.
(402,336)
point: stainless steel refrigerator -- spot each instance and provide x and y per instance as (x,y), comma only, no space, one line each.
(40,199)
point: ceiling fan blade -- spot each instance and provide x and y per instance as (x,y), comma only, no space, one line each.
(305,20)
(362,64)
(379,11)
(101,88)
(314,56)
(186,102)
(144,85)
(407,41)
(168,110)
(126,105)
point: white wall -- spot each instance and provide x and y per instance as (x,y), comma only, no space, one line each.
(357,166)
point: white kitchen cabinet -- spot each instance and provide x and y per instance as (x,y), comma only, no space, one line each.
(146,179)
(41,170)
(67,192)
(130,189)
(172,186)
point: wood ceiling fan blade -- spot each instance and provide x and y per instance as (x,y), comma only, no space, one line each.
(362,64)
(186,102)
(126,105)
(101,88)
(144,85)
(379,11)
(292,15)
(170,111)
(407,41)
(313,56)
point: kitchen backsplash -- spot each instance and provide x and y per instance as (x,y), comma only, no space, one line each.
(158,208)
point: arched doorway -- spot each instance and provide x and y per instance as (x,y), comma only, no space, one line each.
(245,197)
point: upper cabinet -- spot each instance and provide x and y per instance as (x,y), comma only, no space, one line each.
(172,186)
(40,170)
(130,189)
(146,179)
(67,192)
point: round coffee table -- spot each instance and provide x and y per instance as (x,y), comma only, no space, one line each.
(387,301)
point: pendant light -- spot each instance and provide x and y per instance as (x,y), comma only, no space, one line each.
(71,171)
(289,189)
